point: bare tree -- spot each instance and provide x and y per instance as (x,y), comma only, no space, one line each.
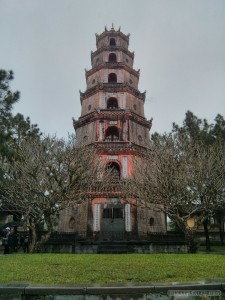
(48,176)
(185,180)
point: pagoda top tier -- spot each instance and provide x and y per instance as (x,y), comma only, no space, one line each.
(112,37)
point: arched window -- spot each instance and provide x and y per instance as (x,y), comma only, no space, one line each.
(72,223)
(112,77)
(112,42)
(112,57)
(112,134)
(114,170)
(112,103)
(151,221)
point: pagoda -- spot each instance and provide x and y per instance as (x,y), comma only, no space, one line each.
(112,118)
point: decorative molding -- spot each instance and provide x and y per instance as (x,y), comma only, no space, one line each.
(101,129)
(96,219)
(102,100)
(112,157)
(127,218)
(125,167)
(113,122)
(121,100)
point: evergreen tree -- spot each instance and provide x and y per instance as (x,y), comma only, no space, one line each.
(7,101)
(13,129)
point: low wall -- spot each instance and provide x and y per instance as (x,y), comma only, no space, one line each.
(94,248)
(160,292)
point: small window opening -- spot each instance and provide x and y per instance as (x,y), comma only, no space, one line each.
(117,213)
(112,103)
(151,221)
(112,134)
(113,213)
(107,213)
(112,77)
(112,57)
(112,42)
(72,223)
(114,169)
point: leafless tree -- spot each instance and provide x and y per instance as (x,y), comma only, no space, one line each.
(48,176)
(185,180)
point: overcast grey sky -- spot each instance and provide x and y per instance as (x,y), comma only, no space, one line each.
(179,47)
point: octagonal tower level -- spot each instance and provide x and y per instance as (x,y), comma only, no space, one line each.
(112,118)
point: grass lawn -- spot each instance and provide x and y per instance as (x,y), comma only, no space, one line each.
(109,269)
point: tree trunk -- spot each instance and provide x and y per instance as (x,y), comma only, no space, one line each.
(45,237)
(37,241)
(190,241)
(207,239)
(221,229)
(33,237)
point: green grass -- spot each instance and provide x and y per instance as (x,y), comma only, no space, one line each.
(109,269)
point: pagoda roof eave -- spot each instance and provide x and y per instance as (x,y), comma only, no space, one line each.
(113,65)
(112,33)
(111,49)
(115,87)
(105,114)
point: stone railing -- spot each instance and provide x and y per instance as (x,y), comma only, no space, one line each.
(119,145)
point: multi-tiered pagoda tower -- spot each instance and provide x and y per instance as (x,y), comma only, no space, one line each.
(112,118)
